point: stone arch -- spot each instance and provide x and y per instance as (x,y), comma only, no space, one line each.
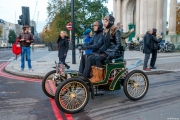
(129,13)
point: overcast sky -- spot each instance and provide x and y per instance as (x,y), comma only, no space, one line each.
(11,9)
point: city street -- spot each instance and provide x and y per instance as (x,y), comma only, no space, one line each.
(22,98)
(135,75)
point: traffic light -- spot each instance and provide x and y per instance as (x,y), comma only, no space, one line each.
(21,21)
(26,16)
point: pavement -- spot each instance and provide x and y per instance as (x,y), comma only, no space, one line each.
(43,61)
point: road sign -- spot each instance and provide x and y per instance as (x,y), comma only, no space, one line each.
(69,26)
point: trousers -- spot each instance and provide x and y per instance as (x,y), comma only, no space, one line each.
(63,61)
(146,58)
(98,60)
(89,62)
(153,58)
(26,51)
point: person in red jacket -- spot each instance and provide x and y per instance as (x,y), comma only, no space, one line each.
(25,39)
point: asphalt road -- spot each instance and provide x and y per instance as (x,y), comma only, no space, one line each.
(22,99)
(162,102)
(6,55)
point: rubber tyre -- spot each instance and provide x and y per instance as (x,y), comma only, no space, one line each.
(44,82)
(126,82)
(58,92)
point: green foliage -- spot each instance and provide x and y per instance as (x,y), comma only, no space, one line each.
(1,30)
(11,36)
(59,14)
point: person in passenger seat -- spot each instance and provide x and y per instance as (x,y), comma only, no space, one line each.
(111,47)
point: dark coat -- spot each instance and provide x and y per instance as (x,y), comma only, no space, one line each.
(97,40)
(155,42)
(147,43)
(113,48)
(63,46)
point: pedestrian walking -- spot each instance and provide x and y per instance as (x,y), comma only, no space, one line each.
(124,36)
(155,47)
(147,48)
(25,39)
(63,46)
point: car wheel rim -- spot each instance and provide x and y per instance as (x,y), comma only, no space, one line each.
(72,96)
(51,84)
(137,85)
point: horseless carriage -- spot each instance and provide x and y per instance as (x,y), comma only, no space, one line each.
(72,92)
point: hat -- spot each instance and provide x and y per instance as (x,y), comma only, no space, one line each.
(110,19)
(87,31)
(25,26)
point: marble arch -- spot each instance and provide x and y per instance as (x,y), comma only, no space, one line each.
(145,14)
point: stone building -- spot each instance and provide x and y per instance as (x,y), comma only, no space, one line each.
(144,14)
(7,26)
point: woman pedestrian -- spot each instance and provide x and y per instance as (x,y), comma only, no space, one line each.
(63,46)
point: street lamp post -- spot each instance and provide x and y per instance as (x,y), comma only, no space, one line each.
(73,33)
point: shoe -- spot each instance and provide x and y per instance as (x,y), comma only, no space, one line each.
(99,75)
(147,69)
(22,69)
(153,67)
(94,71)
(68,67)
(30,69)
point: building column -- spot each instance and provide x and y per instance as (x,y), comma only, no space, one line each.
(114,8)
(159,19)
(154,13)
(151,14)
(164,17)
(141,18)
(172,19)
(145,15)
(137,18)
(118,11)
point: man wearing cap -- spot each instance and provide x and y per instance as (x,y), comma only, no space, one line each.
(25,39)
